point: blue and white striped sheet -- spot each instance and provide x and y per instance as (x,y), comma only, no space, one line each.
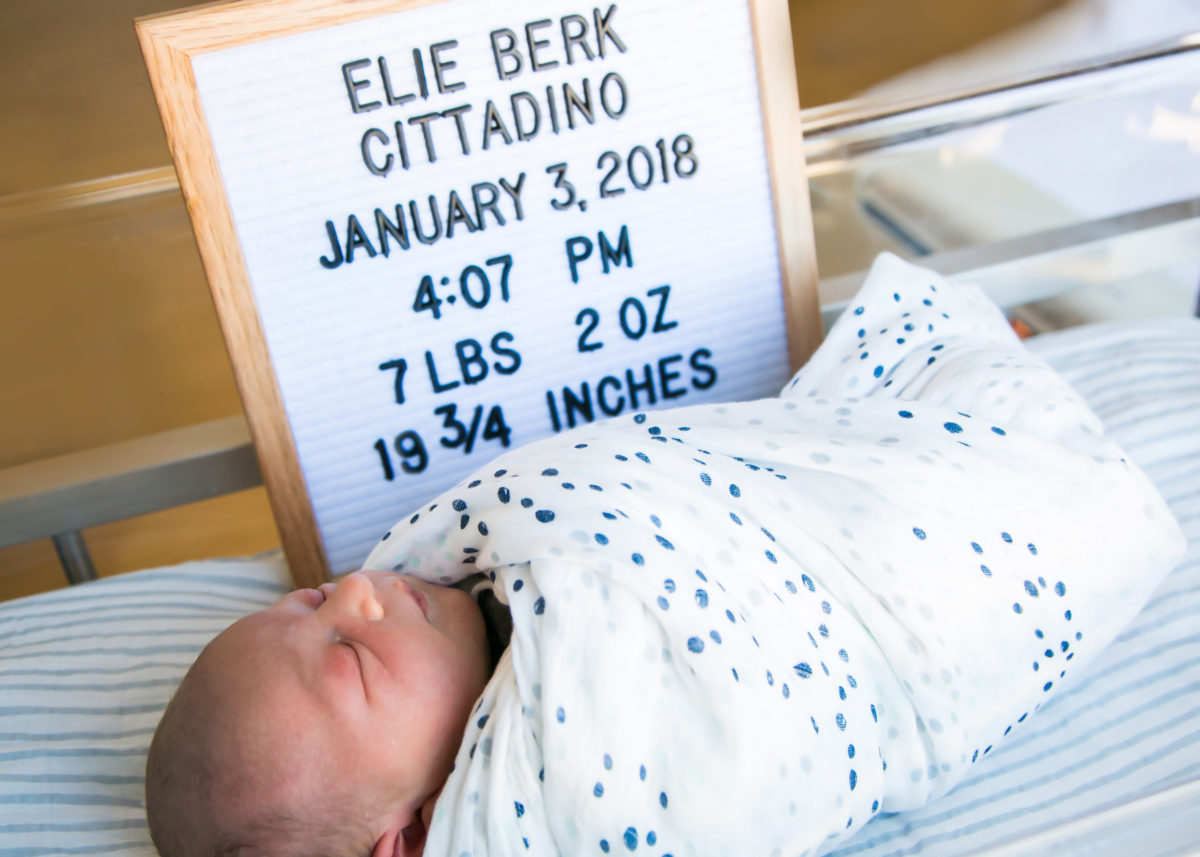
(1131,727)
(84,675)
(84,672)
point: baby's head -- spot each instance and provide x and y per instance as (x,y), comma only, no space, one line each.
(325,724)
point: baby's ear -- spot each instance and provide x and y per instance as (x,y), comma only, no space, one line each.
(406,836)
(402,842)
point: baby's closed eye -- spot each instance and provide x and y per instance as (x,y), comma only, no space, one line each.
(356,661)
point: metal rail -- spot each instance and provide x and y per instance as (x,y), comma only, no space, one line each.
(58,497)
(1042,264)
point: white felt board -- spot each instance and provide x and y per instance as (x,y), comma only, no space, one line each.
(657,285)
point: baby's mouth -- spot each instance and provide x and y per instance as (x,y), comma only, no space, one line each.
(419,597)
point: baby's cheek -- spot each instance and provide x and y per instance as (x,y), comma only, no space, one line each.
(460,613)
(467,641)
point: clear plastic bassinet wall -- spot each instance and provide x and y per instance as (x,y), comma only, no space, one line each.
(1072,196)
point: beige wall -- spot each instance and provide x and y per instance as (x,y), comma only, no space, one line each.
(845,46)
(107,330)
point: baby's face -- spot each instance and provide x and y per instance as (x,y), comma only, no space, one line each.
(365,683)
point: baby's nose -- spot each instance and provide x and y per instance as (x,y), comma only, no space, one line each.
(356,594)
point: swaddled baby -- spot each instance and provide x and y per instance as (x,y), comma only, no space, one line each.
(737,629)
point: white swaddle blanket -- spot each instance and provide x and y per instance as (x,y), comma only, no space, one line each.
(747,629)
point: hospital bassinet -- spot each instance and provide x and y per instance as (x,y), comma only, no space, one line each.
(1073,198)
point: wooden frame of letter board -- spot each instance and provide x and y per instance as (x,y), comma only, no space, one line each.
(170,40)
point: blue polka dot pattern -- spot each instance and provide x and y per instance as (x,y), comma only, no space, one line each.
(809,587)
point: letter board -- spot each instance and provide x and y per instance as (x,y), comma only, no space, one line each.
(435,231)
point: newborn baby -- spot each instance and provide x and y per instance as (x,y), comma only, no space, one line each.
(737,629)
(325,724)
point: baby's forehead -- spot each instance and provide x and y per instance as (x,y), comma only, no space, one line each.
(253,670)
(257,640)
